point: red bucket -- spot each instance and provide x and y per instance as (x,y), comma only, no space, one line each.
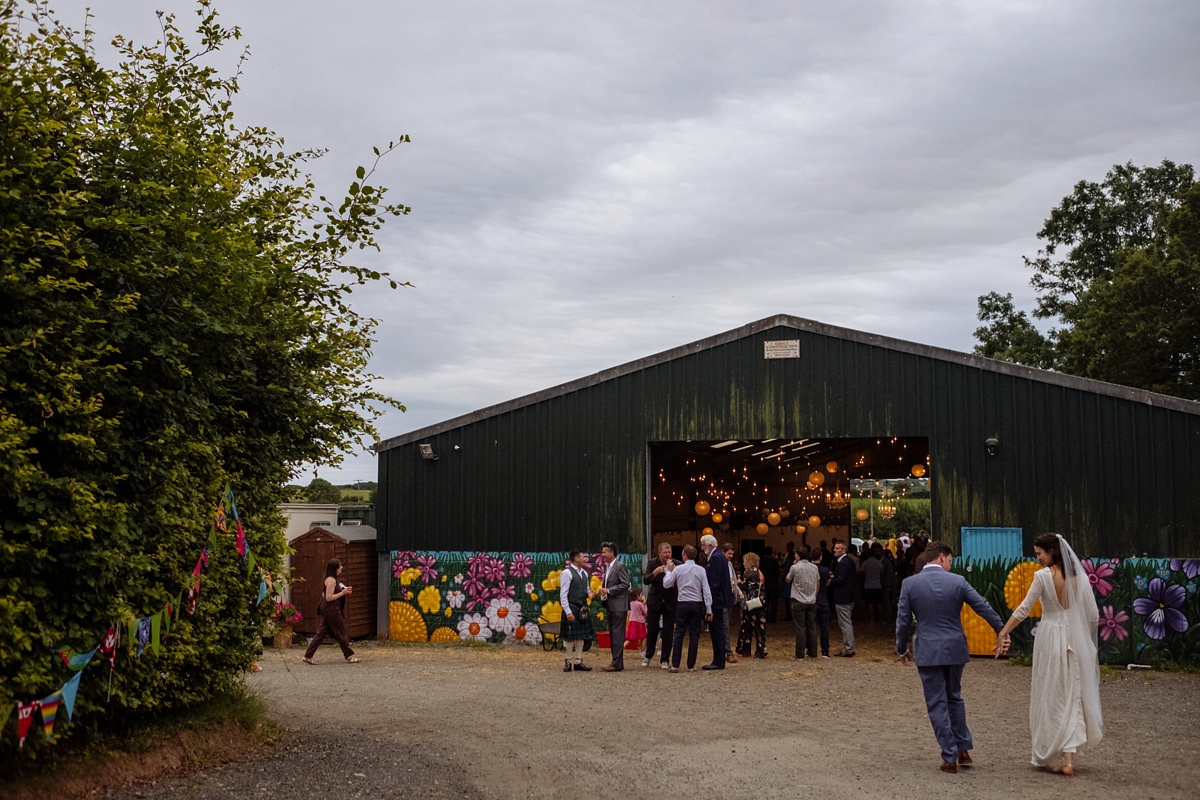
(603,639)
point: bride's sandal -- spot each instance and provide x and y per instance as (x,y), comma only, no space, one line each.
(353,660)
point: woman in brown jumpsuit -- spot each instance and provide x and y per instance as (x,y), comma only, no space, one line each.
(333,623)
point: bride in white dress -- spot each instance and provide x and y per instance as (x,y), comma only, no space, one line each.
(1064,698)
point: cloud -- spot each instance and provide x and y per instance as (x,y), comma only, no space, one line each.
(592,183)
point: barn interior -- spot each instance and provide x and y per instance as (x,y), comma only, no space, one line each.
(760,492)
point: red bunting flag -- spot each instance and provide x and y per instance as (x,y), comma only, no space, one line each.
(24,718)
(108,647)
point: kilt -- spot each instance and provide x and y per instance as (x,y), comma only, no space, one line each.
(579,629)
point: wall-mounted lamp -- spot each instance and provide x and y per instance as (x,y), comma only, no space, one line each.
(427,452)
(992,446)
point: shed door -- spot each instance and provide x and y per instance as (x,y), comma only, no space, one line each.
(981,544)
(308,575)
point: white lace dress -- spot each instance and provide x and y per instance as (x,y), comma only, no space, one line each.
(1064,697)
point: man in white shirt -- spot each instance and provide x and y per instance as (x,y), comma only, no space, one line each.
(805,578)
(576,625)
(694,605)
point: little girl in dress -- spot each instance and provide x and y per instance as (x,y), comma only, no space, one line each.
(635,629)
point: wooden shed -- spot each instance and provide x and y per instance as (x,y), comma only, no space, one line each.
(357,554)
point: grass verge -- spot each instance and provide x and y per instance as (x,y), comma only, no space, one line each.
(221,730)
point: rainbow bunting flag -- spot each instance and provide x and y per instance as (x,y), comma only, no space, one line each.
(73,660)
(221,517)
(49,711)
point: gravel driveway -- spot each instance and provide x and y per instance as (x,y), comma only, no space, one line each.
(451,721)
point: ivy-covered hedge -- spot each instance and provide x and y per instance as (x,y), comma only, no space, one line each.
(175,319)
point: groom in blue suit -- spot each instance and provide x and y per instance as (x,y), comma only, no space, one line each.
(935,596)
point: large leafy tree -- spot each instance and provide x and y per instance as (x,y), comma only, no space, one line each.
(1117,278)
(176,317)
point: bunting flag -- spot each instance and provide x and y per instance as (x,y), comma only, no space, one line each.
(24,718)
(262,592)
(108,647)
(221,517)
(155,632)
(5,713)
(68,692)
(143,634)
(166,627)
(132,633)
(232,503)
(193,593)
(49,711)
(252,562)
(73,660)
(241,541)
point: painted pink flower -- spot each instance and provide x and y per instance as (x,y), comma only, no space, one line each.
(426,565)
(1097,573)
(401,562)
(1113,624)
(521,566)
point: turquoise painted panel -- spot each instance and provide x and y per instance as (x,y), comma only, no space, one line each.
(980,544)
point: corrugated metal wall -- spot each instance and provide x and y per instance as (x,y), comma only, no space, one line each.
(1115,476)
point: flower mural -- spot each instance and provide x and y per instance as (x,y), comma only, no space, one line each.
(1143,617)
(1017,583)
(1113,624)
(526,633)
(521,566)
(503,614)
(474,627)
(552,611)
(400,562)
(1161,608)
(409,575)
(455,598)
(1188,566)
(1098,575)
(430,600)
(550,582)
(426,564)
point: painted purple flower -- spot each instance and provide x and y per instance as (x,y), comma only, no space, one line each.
(426,565)
(1113,624)
(1096,575)
(1161,608)
(601,567)
(403,558)
(1188,566)
(521,566)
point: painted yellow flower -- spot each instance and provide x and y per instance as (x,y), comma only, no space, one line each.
(600,616)
(405,623)
(430,600)
(449,611)
(551,581)
(552,611)
(444,634)
(409,575)
(594,583)
(1017,584)
(533,596)
(445,578)
(981,639)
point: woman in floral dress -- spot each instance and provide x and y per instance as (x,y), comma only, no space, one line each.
(754,621)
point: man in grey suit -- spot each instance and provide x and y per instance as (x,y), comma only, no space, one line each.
(935,596)
(614,591)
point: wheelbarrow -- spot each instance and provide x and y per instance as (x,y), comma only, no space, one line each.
(551,635)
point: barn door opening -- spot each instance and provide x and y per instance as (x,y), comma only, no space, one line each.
(759,493)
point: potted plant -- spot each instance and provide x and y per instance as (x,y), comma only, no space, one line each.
(286,615)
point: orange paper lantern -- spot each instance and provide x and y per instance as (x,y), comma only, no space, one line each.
(814,522)
(862,513)
(816,478)
(717,517)
(702,508)
(762,528)
(918,470)
(773,518)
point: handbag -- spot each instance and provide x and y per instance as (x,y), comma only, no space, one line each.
(754,603)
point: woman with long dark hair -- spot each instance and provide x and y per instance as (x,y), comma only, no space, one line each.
(1064,696)
(331,610)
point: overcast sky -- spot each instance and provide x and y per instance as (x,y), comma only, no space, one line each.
(591,183)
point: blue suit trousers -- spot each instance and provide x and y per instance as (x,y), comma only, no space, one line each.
(947,714)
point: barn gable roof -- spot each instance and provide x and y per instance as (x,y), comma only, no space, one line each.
(811,326)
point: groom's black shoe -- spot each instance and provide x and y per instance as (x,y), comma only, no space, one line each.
(950,767)
(964,758)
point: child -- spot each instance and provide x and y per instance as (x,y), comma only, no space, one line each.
(635,629)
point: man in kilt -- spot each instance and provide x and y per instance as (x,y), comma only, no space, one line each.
(574,593)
